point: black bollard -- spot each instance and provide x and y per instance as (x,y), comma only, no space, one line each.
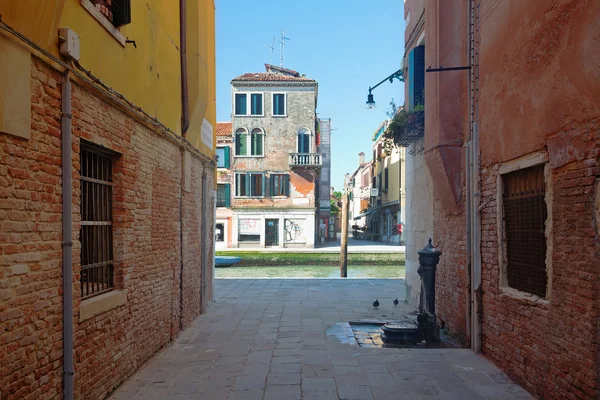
(429,329)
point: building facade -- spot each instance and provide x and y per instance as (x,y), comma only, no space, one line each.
(107,178)
(358,187)
(276,160)
(513,170)
(386,209)
(224,216)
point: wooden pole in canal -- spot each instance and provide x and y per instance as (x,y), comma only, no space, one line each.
(344,246)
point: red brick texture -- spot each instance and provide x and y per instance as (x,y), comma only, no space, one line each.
(147,247)
(551,347)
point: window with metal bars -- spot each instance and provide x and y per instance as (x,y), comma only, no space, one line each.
(97,263)
(525,215)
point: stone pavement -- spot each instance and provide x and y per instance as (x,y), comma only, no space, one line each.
(267,340)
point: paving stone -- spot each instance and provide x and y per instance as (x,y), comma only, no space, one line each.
(246,382)
(283,379)
(354,393)
(287,392)
(318,384)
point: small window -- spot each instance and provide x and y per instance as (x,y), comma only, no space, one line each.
(525,215)
(96,236)
(280,185)
(249,185)
(303,141)
(256,145)
(256,104)
(241,104)
(279,104)
(386,177)
(241,142)
(249,230)
(223,157)
(118,12)
(223,195)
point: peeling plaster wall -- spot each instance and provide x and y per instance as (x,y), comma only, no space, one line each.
(418,225)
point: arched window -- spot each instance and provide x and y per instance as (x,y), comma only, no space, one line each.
(303,140)
(256,145)
(241,142)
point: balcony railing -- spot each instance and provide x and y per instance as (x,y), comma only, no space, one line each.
(308,160)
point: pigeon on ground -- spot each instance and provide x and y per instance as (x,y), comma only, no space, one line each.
(396,303)
(376,303)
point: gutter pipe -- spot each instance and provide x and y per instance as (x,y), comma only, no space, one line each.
(185,114)
(67,242)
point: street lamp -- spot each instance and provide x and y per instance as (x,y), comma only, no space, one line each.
(370,101)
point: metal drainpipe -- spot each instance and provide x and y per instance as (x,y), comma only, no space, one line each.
(204,241)
(185,114)
(67,242)
(474,213)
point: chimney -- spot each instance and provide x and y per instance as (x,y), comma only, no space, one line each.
(361,158)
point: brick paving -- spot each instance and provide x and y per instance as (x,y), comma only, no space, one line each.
(267,339)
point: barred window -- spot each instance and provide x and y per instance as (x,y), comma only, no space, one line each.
(525,215)
(97,263)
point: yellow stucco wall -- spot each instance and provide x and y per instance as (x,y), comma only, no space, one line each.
(148,76)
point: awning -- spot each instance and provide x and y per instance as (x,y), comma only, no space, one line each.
(368,212)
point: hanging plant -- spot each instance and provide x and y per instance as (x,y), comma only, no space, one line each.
(406,127)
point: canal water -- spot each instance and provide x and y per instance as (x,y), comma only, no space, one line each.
(311,271)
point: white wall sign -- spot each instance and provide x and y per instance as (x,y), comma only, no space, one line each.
(207,134)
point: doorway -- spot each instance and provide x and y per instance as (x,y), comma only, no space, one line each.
(272,232)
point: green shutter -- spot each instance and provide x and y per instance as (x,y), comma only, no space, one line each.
(286,183)
(228,195)
(256,106)
(248,185)
(241,144)
(240,104)
(272,185)
(264,185)
(227,157)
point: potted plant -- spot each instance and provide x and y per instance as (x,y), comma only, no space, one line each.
(105,8)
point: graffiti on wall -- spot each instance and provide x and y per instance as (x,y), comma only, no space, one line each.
(294,231)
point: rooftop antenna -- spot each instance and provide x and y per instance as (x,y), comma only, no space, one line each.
(282,43)
(272,47)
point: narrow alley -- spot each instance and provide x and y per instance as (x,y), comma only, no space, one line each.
(268,339)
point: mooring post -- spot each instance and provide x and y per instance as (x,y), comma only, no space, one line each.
(344,244)
(429,329)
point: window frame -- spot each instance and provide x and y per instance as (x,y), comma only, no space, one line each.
(309,134)
(93,226)
(249,104)
(284,115)
(248,185)
(226,157)
(227,195)
(531,160)
(112,29)
(286,184)
(249,142)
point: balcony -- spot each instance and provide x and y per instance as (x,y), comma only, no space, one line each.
(306,160)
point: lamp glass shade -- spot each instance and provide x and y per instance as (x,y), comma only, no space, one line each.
(370,102)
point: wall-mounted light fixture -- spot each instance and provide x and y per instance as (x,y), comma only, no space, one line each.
(370,100)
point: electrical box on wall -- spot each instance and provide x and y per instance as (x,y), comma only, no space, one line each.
(68,43)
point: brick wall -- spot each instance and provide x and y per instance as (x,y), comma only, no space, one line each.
(452,279)
(551,347)
(110,346)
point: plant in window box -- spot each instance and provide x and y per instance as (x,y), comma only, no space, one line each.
(105,8)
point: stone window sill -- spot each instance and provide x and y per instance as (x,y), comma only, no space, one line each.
(516,294)
(91,307)
(103,21)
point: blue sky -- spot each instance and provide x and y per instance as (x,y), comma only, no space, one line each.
(346,46)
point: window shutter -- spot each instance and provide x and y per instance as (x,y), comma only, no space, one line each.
(243,144)
(228,195)
(259,144)
(227,157)
(240,104)
(416,77)
(248,184)
(272,185)
(286,183)
(264,185)
(121,12)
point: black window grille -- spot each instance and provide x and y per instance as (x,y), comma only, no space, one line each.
(525,215)
(97,263)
